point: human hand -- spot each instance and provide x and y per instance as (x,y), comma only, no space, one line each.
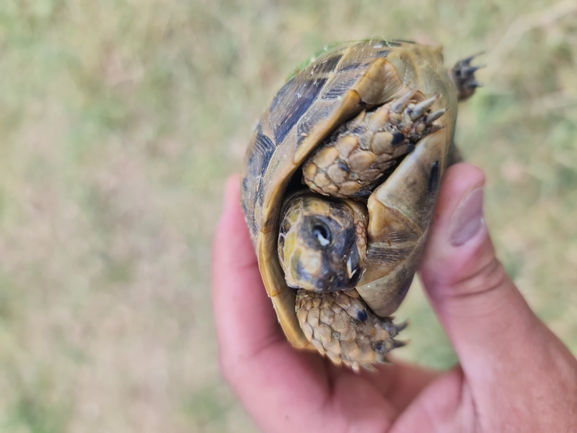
(514,373)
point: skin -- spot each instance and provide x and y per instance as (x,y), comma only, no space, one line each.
(514,374)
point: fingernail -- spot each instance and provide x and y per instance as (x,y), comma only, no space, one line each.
(467,218)
(230,192)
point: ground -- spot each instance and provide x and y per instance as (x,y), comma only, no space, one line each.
(120,120)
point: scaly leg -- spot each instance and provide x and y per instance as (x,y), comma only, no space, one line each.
(463,75)
(342,327)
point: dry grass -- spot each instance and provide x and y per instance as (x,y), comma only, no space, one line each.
(119,121)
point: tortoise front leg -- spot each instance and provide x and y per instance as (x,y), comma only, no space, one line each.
(463,75)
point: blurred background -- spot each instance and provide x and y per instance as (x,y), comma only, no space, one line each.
(120,120)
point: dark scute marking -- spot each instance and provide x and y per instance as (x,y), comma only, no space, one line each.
(351,66)
(261,154)
(259,159)
(362,103)
(398,138)
(433,178)
(405,288)
(303,128)
(328,65)
(245,184)
(343,167)
(404,41)
(362,316)
(382,53)
(394,43)
(281,93)
(297,102)
(337,88)
(311,118)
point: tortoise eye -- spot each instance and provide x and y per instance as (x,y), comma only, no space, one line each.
(322,234)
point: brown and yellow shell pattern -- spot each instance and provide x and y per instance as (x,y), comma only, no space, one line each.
(345,164)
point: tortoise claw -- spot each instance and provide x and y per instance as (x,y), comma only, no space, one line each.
(384,347)
(400,104)
(435,115)
(463,75)
(472,69)
(468,60)
(399,343)
(399,327)
(474,84)
(393,328)
(422,107)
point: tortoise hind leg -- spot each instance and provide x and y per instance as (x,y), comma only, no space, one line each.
(342,327)
(463,75)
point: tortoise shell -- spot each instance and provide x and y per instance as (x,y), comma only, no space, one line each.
(332,88)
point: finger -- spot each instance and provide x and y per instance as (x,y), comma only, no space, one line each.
(514,371)
(274,381)
(245,321)
(481,310)
(401,382)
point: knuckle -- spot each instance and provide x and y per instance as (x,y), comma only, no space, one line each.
(488,277)
(479,274)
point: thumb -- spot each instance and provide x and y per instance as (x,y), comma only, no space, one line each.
(481,310)
(514,373)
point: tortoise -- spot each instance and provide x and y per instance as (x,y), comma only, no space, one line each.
(339,185)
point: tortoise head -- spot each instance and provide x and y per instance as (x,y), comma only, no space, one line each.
(322,242)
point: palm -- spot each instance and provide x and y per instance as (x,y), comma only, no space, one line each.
(370,401)
(515,375)
(306,386)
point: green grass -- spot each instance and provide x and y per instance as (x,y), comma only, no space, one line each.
(119,121)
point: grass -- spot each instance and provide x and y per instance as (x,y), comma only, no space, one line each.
(119,121)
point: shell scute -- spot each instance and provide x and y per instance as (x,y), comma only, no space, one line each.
(298,98)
